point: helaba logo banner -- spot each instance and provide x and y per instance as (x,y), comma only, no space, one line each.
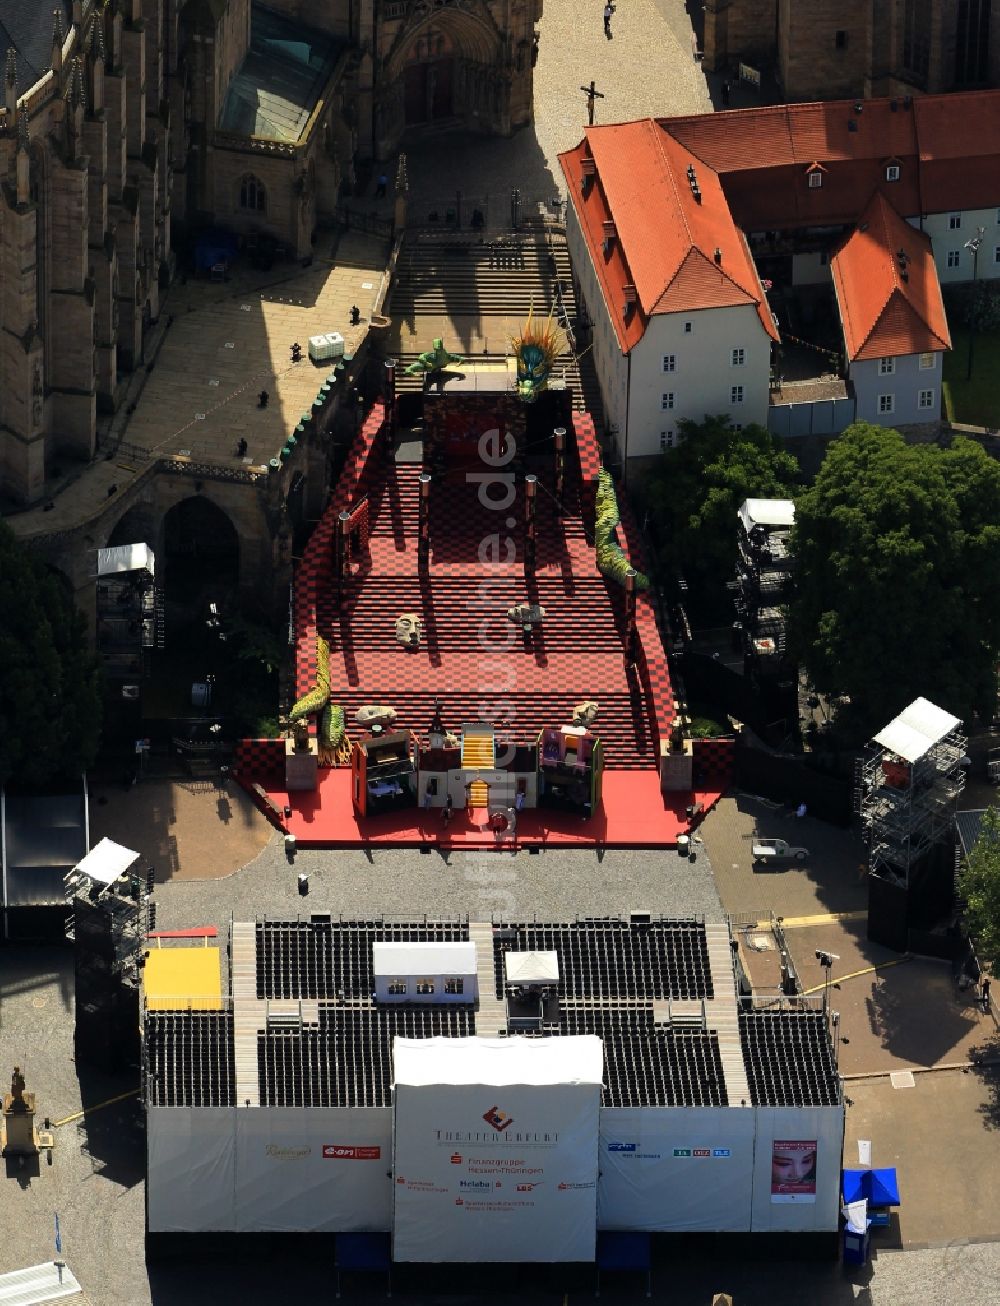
(500,1120)
(622,1147)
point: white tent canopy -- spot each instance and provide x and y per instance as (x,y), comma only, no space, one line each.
(435,958)
(125,557)
(107,861)
(778,513)
(916,730)
(571,1059)
(531,967)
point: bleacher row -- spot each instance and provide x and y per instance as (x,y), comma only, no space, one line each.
(346,1058)
(610,959)
(330,959)
(189,1058)
(788,1058)
(651,1065)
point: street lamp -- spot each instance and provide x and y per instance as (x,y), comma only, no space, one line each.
(973,245)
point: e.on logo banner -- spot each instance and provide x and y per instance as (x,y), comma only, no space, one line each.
(339,1152)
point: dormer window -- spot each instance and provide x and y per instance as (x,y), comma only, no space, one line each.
(628,301)
(892,172)
(609,232)
(814,174)
(588,169)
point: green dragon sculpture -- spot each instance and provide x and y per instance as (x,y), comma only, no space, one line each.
(433,360)
(536,349)
(331,725)
(611,558)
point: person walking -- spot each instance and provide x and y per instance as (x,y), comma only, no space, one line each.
(448,811)
(726,94)
(984,994)
(609,9)
(382,187)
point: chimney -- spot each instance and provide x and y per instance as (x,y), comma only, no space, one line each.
(718,256)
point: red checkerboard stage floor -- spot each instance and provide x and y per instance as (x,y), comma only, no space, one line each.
(480,667)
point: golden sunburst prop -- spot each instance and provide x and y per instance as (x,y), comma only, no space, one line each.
(536,348)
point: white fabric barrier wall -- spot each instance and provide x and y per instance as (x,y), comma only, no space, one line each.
(676,1169)
(282,1169)
(496,1149)
(796,1180)
(191,1169)
(313,1169)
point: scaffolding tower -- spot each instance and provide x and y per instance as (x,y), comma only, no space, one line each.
(110,913)
(908,784)
(763,571)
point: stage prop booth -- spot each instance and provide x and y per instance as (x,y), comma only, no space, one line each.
(496,1148)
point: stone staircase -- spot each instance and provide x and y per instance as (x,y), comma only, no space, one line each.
(491,1014)
(475,293)
(722,1014)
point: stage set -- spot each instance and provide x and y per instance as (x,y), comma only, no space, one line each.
(477,658)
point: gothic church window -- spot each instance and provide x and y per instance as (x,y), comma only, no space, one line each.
(253,196)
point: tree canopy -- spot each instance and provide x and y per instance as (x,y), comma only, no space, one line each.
(979,884)
(897,550)
(695,490)
(50,702)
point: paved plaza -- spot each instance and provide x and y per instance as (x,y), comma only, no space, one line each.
(647,69)
(223,343)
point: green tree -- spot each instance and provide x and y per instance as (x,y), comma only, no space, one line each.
(694,491)
(897,550)
(979,884)
(50,701)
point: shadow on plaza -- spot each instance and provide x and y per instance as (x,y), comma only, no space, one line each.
(985,1060)
(111,1134)
(834,854)
(687,1271)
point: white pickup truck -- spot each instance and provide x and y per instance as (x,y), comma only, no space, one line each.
(777,850)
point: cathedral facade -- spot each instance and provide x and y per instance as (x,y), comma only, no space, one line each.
(828,49)
(126,122)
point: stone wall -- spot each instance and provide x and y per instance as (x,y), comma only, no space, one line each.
(82,233)
(812,64)
(739,31)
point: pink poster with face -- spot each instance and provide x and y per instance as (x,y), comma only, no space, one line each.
(793,1170)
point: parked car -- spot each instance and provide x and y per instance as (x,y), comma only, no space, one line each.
(769,851)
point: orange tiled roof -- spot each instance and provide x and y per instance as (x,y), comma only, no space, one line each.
(680,253)
(888,305)
(947,147)
(752,166)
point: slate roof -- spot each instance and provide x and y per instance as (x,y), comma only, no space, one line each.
(26,26)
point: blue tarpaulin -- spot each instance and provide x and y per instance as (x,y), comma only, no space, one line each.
(363,1251)
(879,1187)
(214,247)
(623,1251)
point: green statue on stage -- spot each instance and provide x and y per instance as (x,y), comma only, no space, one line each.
(433,360)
